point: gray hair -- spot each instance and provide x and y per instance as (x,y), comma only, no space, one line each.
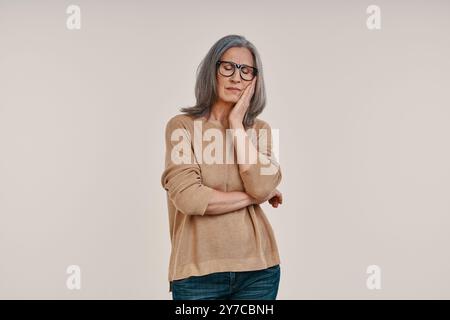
(205,86)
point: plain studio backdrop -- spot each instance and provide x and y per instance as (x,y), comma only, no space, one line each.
(363,117)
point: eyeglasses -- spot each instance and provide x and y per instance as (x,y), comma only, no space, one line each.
(227,69)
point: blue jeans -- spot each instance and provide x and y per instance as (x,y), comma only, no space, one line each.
(241,285)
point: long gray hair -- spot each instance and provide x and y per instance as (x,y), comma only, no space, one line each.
(205,85)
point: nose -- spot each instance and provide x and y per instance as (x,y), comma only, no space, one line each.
(236,77)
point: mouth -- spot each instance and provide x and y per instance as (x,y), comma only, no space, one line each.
(235,90)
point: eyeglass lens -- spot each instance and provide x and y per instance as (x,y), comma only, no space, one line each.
(227,69)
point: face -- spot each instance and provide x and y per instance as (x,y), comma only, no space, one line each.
(224,84)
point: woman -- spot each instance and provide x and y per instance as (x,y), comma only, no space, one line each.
(223,246)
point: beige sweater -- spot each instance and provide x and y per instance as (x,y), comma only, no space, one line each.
(241,240)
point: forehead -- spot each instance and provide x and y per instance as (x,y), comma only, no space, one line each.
(238,55)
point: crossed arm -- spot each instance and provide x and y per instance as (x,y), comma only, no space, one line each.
(184,186)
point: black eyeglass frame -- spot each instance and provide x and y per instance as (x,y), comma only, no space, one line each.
(239,66)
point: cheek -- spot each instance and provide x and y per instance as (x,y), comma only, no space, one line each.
(220,84)
(221,87)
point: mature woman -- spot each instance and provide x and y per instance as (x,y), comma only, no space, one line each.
(223,246)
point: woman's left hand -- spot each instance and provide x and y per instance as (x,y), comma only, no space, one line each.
(277,199)
(240,108)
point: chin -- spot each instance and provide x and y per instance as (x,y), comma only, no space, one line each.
(232,99)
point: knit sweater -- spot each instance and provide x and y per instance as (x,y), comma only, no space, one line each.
(240,240)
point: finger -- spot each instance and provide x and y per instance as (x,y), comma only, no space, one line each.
(279,195)
(251,93)
(244,93)
(252,90)
(253,85)
(278,201)
(247,92)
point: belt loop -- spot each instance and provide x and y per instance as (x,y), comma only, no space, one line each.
(232,277)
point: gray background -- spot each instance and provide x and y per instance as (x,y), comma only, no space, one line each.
(364,142)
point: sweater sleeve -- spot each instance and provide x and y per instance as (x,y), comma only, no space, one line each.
(264,175)
(182,175)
